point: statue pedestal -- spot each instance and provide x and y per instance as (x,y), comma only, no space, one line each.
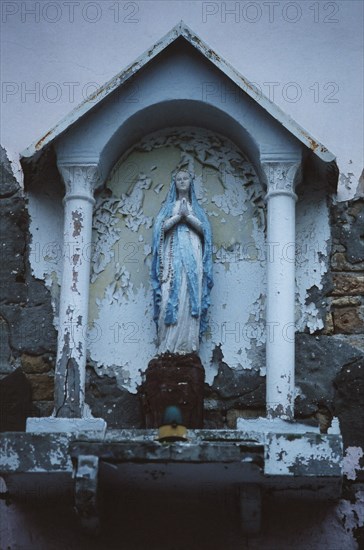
(173,380)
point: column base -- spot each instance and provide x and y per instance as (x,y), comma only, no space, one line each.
(52,424)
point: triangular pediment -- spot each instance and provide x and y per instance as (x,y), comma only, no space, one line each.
(180,32)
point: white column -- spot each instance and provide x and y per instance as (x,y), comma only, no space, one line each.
(80,180)
(280,313)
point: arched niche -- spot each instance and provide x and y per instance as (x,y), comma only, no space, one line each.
(122,336)
(178,113)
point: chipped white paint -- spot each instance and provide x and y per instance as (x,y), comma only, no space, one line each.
(9,459)
(16,168)
(285,454)
(121,333)
(46,228)
(131,205)
(351,514)
(281,237)
(234,326)
(273,425)
(104,223)
(51,424)
(313,237)
(335,426)
(125,343)
(351,462)
(123,337)
(81,180)
(106,218)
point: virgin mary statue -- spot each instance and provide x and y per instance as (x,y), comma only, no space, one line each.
(181,268)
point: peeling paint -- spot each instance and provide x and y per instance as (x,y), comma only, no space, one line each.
(305,455)
(351,462)
(67,398)
(104,222)
(120,310)
(351,514)
(39,144)
(34,453)
(120,301)
(75,281)
(313,239)
(9,458)
(77,219)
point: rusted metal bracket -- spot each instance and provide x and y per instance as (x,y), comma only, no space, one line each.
(86,492)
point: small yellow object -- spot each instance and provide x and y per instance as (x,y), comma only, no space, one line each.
(170,432)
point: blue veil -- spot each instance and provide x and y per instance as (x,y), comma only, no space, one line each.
(182,257)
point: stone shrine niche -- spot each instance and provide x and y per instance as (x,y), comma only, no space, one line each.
(271,239)
(122,339)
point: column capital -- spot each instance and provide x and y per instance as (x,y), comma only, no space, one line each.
(282,177)
(81,180)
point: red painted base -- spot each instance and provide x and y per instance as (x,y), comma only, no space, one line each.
(173,380)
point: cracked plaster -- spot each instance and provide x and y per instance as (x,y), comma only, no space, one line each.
(312,257)
(231,194)
(121,332)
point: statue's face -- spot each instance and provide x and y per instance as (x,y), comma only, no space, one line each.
(183,182)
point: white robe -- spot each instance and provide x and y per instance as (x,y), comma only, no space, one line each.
(182,337)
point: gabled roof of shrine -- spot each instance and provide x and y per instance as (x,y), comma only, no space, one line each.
(180,30)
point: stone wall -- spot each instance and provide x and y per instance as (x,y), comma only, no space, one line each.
(27,334)
(346,318)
